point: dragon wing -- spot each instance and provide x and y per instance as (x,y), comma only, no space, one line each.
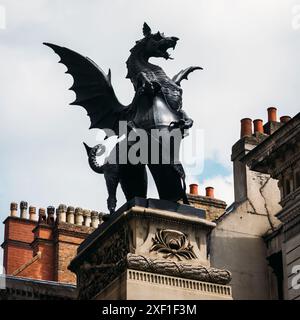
(183,74)
(92,87)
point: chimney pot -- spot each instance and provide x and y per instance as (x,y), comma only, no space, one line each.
(101,215)
(258,126)
(95,219)
(246,127)
(272,114)
(62,207)
(78,217)
(13,209)
(194,189)
(32,213)
(23,207)
(62,213)
(50,210)
(42,215)
(285,119)
(210,192)
(50,215)
(87,218)
(70,215)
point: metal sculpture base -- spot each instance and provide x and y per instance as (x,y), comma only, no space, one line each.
(150,249)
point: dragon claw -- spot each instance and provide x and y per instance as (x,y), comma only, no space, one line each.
(181,124)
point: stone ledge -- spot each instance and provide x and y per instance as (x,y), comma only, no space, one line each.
(187,284)
(140,285)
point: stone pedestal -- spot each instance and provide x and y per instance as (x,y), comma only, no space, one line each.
(151,250)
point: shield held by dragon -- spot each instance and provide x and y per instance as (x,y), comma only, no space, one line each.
(157,104)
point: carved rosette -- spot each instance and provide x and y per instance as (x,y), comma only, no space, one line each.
(173,243)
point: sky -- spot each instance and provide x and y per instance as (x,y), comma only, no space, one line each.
(249,51)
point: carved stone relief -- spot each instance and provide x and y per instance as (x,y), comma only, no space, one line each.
(173,243)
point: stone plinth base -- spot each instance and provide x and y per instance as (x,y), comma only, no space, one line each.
(153,250)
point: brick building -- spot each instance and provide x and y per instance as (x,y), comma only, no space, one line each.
(41,249)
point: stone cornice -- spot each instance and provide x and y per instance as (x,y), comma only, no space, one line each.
(27,221)
(38,241)
(170,216)
(16,243)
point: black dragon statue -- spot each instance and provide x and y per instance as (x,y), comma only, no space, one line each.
(157,104)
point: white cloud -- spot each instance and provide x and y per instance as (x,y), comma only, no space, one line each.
(223,187)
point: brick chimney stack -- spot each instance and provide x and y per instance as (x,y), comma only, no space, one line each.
(243,177)
(248,140)
(42,249)
(18,236)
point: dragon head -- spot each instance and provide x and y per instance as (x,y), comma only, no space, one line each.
(155,44)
